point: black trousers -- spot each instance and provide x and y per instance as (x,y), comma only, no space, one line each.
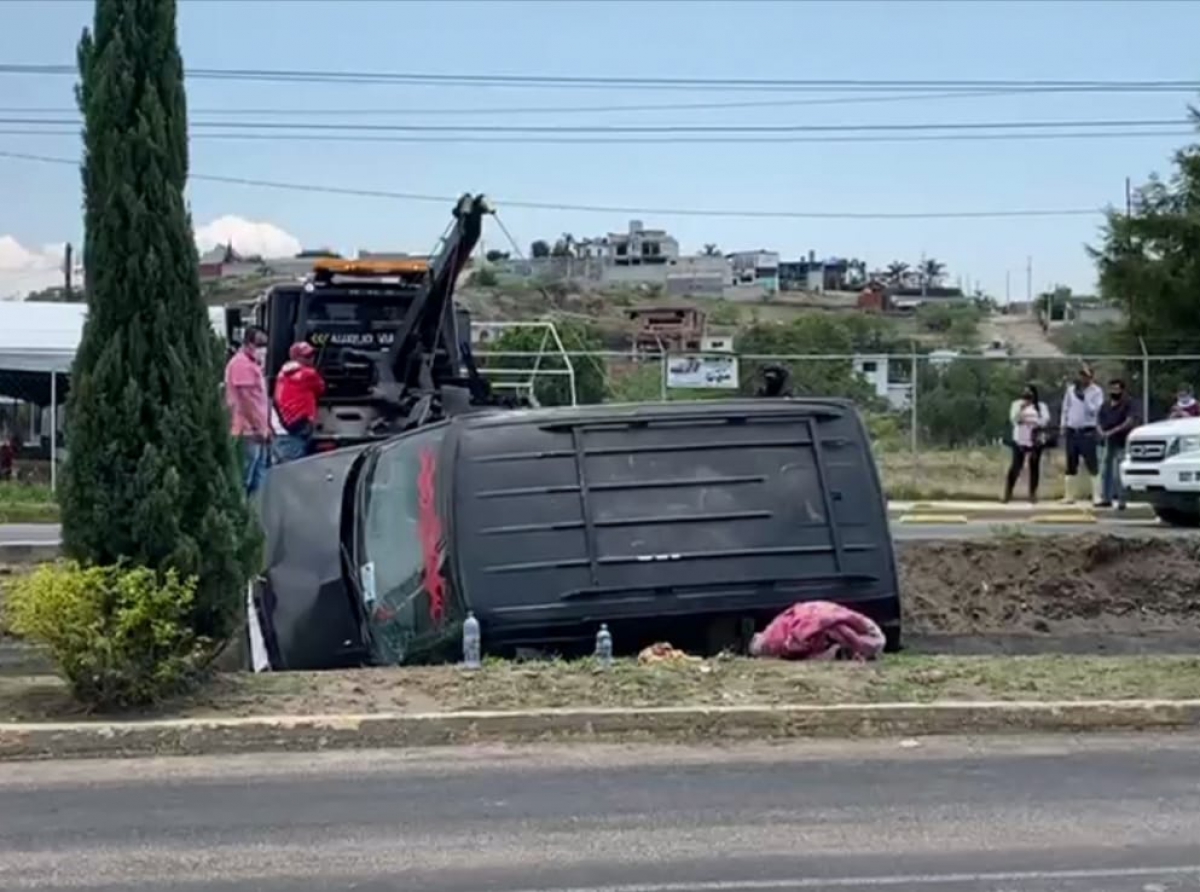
(1021,456)
(1082,446)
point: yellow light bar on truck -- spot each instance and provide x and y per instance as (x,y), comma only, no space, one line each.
(333,266)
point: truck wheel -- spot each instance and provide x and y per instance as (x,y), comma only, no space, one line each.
(1178,517)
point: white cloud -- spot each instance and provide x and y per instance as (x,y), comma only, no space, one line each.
(247,237)
(27,269)
(23,269)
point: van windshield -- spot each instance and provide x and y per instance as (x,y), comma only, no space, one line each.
(401,547)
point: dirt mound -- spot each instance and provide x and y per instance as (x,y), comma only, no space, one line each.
(1056,586)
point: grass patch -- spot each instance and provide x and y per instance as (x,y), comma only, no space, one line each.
(25,494)
(960,474)
(931,475)
(716,682)
(27,503)
(28,512)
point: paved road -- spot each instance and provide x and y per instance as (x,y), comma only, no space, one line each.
(1095,814)
(29,532)
(49,533)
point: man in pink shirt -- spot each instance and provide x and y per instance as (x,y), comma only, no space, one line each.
(249,406)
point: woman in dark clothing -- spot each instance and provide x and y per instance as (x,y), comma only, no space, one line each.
(1030,418)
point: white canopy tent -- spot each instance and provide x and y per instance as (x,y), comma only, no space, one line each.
(43,337)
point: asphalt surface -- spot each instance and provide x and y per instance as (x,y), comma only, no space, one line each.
(1048,814)
(29,532)
(901,532)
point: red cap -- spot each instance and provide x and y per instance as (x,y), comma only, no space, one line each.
(301,350)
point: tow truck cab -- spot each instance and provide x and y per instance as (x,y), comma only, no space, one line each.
(1162,467)
(351,312)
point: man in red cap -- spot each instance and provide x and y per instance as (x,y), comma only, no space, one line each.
(297,390)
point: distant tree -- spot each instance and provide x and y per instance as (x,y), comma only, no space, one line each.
(318,252)
(564,247)
(550,383)
(151,476)
(817,335)
(932,272)
(539,249)
(966,403)
(484,278)
(896,272)
(1149,265)
(711,250)
(496,256)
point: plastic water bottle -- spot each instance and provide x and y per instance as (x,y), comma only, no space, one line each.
(472,645)
(604,645)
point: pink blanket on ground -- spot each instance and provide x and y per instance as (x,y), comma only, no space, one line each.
(819,630)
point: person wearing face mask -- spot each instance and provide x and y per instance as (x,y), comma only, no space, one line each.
(249,406)
(1185,403)
(1117,418)
(1080,413)
(1030,418)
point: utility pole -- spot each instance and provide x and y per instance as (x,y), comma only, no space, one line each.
(1007,286)
(1128,215)
(68,262)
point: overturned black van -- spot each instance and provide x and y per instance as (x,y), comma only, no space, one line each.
(694,523)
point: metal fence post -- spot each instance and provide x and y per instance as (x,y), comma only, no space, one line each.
(54,431)
(1145,381)
(662,379)
(914,442)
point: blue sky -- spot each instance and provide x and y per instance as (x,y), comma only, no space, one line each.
(39,204)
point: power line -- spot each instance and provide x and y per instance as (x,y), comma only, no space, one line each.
(467,139)
(607,209)
(608,109)
(542,80)
(904,127)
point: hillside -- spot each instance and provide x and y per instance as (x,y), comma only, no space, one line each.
(605,311)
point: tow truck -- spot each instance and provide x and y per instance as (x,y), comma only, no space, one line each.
(392,344)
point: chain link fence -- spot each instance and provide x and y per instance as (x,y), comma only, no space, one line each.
(31,441)
(938,421)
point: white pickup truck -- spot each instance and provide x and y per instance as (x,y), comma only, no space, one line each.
(1162,467)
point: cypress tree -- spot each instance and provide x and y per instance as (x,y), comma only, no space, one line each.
(151,474)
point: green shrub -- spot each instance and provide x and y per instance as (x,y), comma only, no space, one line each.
(120,636)
(485,277)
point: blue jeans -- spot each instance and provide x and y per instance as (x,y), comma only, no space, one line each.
(1110,478)
(255,459)
(289,447)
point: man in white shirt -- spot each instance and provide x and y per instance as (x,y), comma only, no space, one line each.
(1080,415)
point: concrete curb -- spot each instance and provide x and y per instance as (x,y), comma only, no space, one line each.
(932,518)
(669,724)
(1015,511)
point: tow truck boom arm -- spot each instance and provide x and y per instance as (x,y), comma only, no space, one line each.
(431,313)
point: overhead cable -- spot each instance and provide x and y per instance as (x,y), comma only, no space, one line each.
(609,209)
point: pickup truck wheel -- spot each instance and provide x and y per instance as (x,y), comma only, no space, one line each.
(1178,517)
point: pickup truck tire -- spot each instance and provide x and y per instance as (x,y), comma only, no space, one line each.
(1179,517)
